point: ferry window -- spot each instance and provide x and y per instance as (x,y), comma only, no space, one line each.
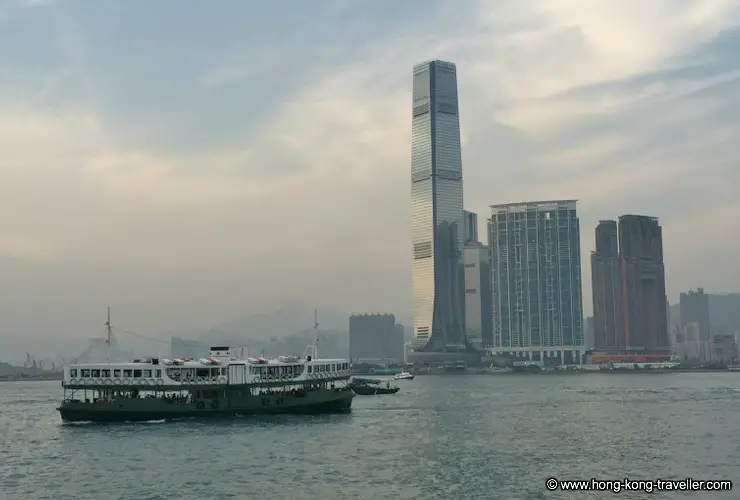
(96,373)
(126,373)
(137,373)
(116,373)
(73,372)
(147,374)
(333,367)
(85,373)
(159,373)
(309,368)
(106,373)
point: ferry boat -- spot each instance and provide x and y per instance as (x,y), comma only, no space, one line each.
(404,376)
(219,385)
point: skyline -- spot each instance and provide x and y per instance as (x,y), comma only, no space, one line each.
(135,177)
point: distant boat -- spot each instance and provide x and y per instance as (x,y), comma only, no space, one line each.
(403,376)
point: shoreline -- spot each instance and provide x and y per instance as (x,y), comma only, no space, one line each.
(594,372)
(15,378)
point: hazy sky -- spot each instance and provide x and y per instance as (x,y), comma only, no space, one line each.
(186,162)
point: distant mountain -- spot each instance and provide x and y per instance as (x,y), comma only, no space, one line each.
(331,344)
(285,321)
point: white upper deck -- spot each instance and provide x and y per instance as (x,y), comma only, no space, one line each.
(220,367)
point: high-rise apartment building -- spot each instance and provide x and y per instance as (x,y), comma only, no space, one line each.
(536,281)
(606,288)
(437,211)
(644,311)
(628,284)
(694,307)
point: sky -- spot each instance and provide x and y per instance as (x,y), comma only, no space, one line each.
(189,162)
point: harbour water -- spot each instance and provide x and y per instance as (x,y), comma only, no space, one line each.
(440,437)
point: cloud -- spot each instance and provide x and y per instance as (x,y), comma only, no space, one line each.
(270,174)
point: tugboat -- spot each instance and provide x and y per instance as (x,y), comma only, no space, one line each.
(217,386)
(371,387)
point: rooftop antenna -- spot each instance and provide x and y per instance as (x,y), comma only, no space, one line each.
(107,341)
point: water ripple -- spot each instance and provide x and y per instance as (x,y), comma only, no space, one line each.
(461,437)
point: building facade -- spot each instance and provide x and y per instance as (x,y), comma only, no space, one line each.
(644,310)
(694,307)
(376,339)
(606,289)
(478,305)
(536,281)
(437,211)
(470,227)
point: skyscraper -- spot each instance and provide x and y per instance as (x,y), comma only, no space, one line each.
(536,280)
(470,233)
(606,288)
(478,328)
(694,307)
(644,315)
(437,210)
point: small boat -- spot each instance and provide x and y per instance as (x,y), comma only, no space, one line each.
(403,376)
(371,387)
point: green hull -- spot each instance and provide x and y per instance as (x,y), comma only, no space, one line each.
(143,409)
(371,391)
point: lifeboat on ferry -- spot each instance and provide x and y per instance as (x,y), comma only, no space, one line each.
(288,359)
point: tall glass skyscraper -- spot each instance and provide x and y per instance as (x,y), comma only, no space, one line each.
(536,280)
(437,211)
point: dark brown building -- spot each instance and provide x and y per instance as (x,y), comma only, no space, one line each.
(644,313)
(606,287)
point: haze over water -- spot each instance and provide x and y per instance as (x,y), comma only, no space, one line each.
(466,437)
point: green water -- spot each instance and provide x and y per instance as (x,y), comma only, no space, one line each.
(441,437)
